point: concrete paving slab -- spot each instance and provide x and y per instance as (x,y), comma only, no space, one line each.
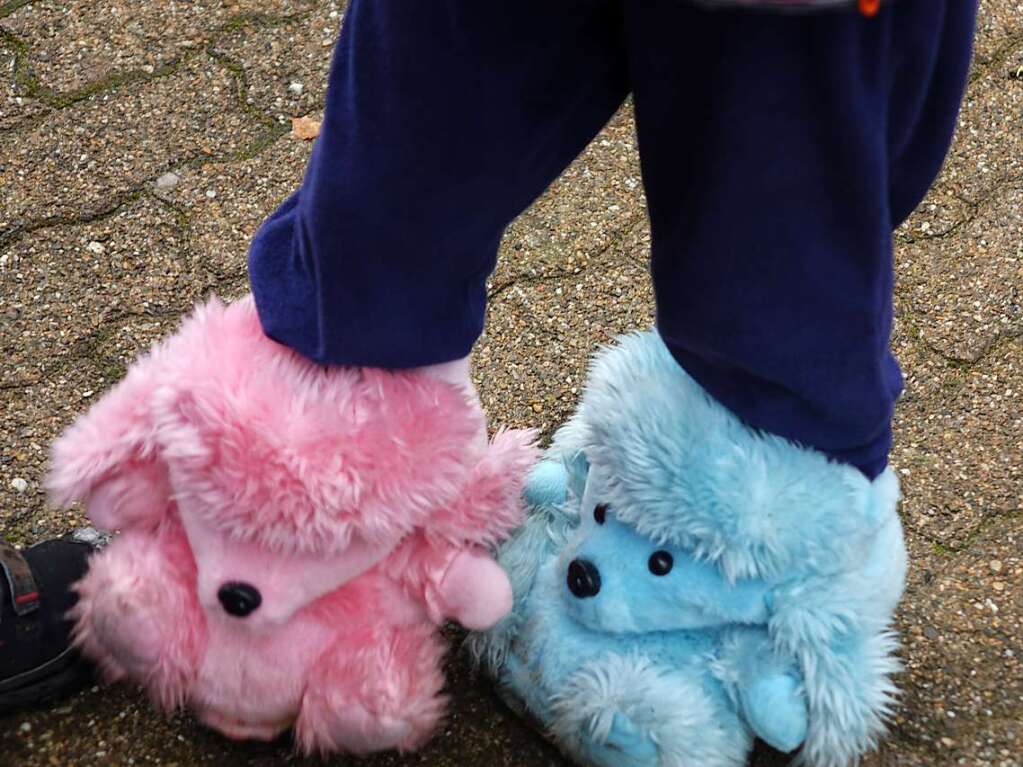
(596,200)
(83,159)
(958,449)
(287,64)
(222,204)
(78,44)
(32,416)
(15,104)
(985,263)
(987,151)
(961,630)
(530,364)
(61,284)
(998,24)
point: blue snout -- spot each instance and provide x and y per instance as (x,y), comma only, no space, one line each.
(583,578)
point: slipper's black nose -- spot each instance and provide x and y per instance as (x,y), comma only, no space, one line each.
(239,599)
(583,578)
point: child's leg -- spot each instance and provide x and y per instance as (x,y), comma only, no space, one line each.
(444,120)
(778,154)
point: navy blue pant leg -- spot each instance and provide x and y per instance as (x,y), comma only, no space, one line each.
(444,120)
(778,154)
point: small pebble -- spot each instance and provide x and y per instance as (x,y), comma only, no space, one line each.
(25,727)
(995,565)
(96,247)
(19,485)
(930,632)
(92,536)
(167,181)
(947,742)
(211,194)
(998,586)
(296,88)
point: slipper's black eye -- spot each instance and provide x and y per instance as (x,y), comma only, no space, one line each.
(660,563)
(600,513)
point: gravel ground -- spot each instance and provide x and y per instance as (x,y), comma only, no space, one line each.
(140,145)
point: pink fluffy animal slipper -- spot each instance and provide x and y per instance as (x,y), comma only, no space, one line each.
(291,535)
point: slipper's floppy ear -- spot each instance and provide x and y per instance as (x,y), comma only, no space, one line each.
(837,628)
(109,458)
(490,503)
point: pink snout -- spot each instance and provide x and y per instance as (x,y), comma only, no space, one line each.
(239,599)
(247,582)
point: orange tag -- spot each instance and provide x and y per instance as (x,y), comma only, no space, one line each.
(870,7)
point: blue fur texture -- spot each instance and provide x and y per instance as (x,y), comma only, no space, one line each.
(684,583)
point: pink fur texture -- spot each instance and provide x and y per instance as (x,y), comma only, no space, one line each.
(358,504)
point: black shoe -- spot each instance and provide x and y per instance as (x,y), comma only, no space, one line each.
(37,662)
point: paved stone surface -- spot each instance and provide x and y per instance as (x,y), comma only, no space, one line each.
(79,45)
(286,62)
(986,258)
(221,204)
(94,154)
(988,147)
(14,103)
(586,212)
(97,260)
(997,29)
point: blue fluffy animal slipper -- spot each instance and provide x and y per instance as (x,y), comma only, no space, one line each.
(685,584)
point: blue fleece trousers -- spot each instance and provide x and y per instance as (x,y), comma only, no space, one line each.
(778,154)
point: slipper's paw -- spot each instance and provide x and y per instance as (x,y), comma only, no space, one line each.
(628,711)
(625,736)
(776,711)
